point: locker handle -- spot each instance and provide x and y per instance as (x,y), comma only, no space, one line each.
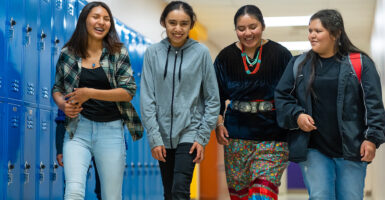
(55,166)
(43,35)
(12,22)
(42,166)
(57,41)
(10,166)
(28,29)
(27,165)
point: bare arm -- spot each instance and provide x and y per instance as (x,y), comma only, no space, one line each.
(81,95)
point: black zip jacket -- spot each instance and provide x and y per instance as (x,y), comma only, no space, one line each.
(360,110)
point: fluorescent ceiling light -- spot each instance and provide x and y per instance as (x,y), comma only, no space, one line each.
(287,21)
(297,45)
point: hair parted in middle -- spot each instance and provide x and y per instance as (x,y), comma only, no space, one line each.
(251,10)
(176,5)
(78,42)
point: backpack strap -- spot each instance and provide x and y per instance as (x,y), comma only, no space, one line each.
(296,64)
(356,61)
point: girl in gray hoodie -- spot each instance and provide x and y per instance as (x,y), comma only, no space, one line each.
(179,100)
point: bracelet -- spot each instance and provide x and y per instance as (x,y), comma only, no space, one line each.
(220,124)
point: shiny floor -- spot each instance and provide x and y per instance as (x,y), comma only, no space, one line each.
(302,196)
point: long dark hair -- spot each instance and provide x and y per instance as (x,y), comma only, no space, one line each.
(175,5)
(249,10)
(78,43)
(332,21)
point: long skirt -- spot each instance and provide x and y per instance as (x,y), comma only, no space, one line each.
(254,168)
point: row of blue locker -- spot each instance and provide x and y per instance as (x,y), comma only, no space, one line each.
(28,159)
(32,32)
(31,37)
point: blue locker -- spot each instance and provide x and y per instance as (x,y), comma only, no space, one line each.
(44,149)
(30,61)
(28,169)
(81,4)
(131,184)
(58,36)
(90,185)
(13,120)
(56,171)
(131,181)
(59,39)
(45,42)
(70,18)
(2,146)
(3,36)
(14,29)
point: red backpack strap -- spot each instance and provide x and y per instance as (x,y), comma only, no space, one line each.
(355,61)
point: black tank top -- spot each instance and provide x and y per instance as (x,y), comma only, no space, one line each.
(96,110)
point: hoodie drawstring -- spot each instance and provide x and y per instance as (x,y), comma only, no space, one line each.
(180,65)
(165,67)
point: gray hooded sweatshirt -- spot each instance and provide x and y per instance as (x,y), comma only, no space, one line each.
(179,97)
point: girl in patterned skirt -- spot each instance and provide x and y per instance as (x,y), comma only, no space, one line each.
(256,152)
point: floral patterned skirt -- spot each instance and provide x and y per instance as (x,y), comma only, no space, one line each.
(254,168)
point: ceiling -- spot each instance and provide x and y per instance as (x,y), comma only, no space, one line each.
(217,17)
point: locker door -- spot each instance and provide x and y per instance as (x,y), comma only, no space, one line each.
(12,158)
(30,61)
(44,154)
(28,169)
(70,18)
(14,29)
(90,185)
(132,169)
(45,40)
(3,36)
(81,4)
(56,172)
(58,36)
(2,146)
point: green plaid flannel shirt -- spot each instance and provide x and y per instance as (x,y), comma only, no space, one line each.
(119,73)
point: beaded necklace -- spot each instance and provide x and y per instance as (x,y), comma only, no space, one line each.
(257,61)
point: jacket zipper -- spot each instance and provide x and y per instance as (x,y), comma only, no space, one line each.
(172,98)
(366,110)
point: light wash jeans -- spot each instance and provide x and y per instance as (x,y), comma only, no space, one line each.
(329,178)
(104,141)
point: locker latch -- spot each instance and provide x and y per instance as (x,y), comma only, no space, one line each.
(11,31)
(41,173)
(42,43)
(27,167)
(56,45)
(10,174)
(27,38)
(54,174)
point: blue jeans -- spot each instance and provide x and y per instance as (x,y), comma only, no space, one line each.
(105,142)
(329,178)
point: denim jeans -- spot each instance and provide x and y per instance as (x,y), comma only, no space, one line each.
(105,142)
(329,178)
(177,172)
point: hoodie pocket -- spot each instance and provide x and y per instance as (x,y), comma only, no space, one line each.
(181,119)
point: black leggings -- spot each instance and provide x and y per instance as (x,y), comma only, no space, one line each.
(177,172)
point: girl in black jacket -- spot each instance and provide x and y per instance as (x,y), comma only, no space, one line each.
(336,113)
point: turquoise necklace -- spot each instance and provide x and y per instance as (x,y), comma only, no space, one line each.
(257,61)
